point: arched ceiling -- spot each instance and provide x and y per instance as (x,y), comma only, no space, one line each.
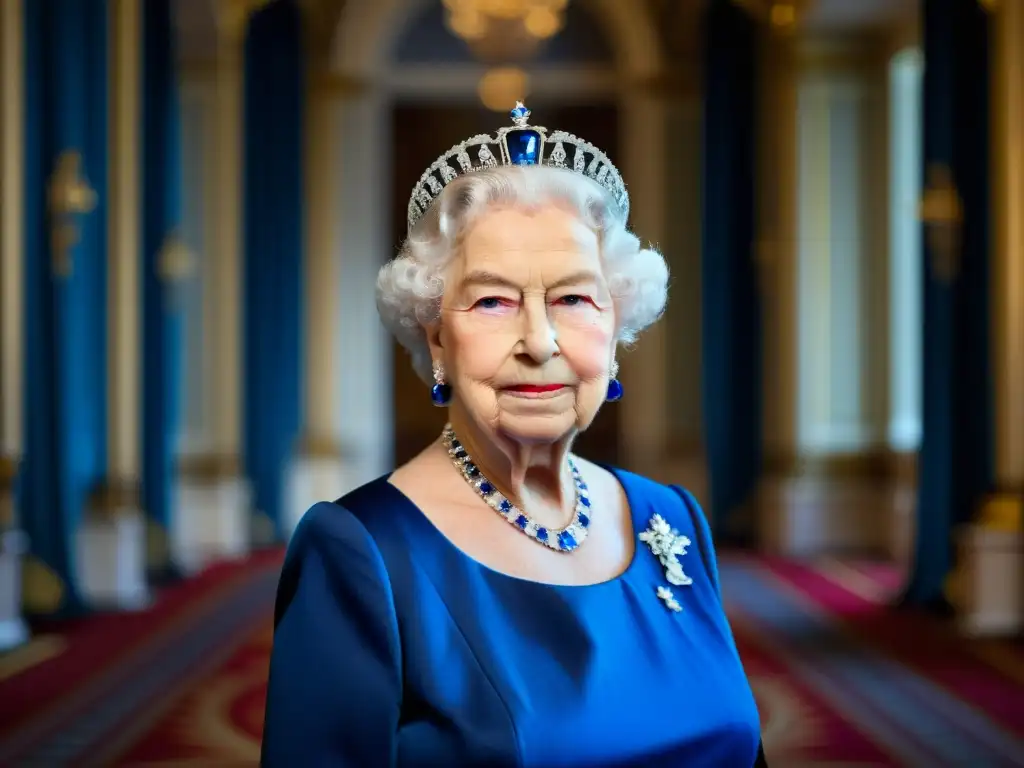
(675,20)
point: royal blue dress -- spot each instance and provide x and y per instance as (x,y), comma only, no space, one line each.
(394,648)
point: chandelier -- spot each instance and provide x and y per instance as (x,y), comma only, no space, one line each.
(524,22)
(781,15)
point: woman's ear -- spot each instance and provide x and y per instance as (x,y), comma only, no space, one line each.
(434,339)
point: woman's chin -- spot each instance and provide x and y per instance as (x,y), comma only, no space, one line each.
(538,428)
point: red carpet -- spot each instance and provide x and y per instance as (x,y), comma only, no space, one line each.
(109,673)
(987,674)
(817,641)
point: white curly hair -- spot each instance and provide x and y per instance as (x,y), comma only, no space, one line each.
(410,287)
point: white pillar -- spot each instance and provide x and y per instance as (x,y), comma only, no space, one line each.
(905,268)
(906,289)
(824,280)
(112,541)
(777,263)
(13,630)
(198,115)
(991,563)
(319,471)
(212,519)
(643,417)
(363,351)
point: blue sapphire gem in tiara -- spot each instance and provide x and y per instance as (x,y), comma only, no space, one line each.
(519,114)
(523,146)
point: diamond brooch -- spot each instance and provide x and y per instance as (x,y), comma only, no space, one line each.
(668,545)
(670,600)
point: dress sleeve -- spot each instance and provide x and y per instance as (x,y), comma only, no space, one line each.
(703,531)
(707,554)
(334,691)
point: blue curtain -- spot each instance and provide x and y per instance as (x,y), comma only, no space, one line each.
(274,105)
(731,366)
(161,219)
(65,320)
(956,451)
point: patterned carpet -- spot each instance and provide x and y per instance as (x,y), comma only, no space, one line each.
(840,679)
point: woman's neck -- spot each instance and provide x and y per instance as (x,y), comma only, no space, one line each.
(536,478)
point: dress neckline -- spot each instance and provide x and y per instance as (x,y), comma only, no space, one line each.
(424,525)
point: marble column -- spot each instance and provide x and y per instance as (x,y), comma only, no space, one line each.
(823,279)
(643,418)
(363,362)
(13,630)
(115,530)
(776,256)
(319,469)
(906,282)
(989,590)
(213,502)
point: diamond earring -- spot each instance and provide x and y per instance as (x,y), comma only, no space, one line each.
(441,392)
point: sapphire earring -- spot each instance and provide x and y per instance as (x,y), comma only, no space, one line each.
(440,393)
(614,385)
(614,390)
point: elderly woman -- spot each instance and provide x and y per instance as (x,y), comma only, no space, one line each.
(500,601)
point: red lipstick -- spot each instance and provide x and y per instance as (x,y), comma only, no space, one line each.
(536,388)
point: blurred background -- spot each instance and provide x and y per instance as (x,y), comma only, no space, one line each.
(195,198)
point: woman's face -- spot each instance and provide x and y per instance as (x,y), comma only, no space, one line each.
(527,324)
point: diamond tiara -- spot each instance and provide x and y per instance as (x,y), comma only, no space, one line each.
(518,144)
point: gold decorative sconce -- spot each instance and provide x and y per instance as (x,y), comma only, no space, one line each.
(942,214)
(70,197)
(174,262)
(782,16)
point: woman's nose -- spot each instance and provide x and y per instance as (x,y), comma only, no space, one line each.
(539,338)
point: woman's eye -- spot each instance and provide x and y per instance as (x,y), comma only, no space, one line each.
(492,302)
(573,300)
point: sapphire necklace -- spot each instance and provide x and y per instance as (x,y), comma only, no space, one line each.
(567,539)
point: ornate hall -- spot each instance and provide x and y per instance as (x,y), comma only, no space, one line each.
(196,197)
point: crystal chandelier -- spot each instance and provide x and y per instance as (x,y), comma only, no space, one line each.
(488,22)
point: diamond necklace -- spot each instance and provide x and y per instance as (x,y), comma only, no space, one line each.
(566,539)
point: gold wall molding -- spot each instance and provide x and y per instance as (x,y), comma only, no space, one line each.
(1002,512)
(315,446)
(12,223)
(1007,248)
(877,465)
(114,499)
(124,139)
(338,85)
(9,467)
(208,468)
(856,54)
